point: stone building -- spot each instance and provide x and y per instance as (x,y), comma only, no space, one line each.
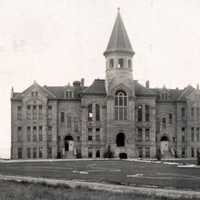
(117,114)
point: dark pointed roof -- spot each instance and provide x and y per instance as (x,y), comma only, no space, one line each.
(119,41)
(97,88)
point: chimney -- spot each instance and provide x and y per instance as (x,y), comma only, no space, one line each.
(76,83)
(12,92)
(82,82)
(147,84)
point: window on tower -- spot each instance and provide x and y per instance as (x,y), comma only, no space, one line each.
(120,63)
(129,63)
(121,105)
(111,63)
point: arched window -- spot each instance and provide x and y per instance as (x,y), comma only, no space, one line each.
(120,63)
(111,63)
(97,110)
(121,105)
(139,113)
(90,113)
(120,140)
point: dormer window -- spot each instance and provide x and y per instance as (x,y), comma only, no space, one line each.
(69,94)
(120,63)
(34,93)
(111,63)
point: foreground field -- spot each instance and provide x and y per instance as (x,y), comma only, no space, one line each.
(24,191)
(121,172)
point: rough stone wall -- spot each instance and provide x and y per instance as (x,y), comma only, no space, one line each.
(85,124)
(163,110)
(72,112)
(151,124)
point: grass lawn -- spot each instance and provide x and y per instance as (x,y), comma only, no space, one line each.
(23,191)
(121,172)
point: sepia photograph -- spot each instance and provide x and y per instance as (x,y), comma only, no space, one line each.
(100,100)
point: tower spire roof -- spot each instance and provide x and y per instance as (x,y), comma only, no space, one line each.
(119,41)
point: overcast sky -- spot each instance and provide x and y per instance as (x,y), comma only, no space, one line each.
(58,41)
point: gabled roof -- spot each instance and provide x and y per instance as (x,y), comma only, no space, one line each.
(97,88)
(119,41)
(186,92)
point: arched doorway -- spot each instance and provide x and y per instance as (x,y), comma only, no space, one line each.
(69,143)
(164,144)
(97,154)
(120,140)
(123,156)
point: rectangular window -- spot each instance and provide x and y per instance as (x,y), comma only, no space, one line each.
(139,134)
(140,152)
(19,153)
(183,138)
(98,138)
(49,134)
(19,112)
(147,134)
(40,134)
(89,130)
(28,133)
(98,134)
(90,112)
(19,134)
(97,112)
(69,94)
(28,152)
(147,152)
(28,112)
(164,123)
(198,113)
(111,63)
(192,152)
(40,152)
(89,137)
(89,152)
(34,134)
(147,113)
(76,129)
(183,152)
(192,134)
(192,112)
(197,132)
(129,63)
(120,63)
(170,118)
(40,112)
(139,113)
(62,117)
(34,152)
(49,112)
(183,113)
(49,152)
(69,122)
(34,112)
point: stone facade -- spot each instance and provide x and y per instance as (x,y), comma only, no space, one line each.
(117,114)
